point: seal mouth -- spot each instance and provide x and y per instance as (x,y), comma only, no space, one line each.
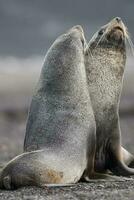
(119,28)
(116,34)
(113,34)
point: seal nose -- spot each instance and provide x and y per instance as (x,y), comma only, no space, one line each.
(79,28)
(118,19)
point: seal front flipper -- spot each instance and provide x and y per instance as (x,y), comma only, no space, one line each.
(128,158)
(7,182)
(117,165)
(115,162)
(102,177)
(58,185)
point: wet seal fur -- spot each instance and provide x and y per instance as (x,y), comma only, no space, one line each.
(105,58)
(61,122)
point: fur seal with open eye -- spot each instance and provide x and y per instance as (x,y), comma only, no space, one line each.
(105,58)
(61,122)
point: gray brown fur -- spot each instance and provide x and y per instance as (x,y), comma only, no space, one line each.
(61,121)
(105,63)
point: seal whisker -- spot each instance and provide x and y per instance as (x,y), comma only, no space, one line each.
(100,40)
(126,33)
(91,53)
(130,44)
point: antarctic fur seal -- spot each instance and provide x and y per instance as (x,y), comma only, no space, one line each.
(61,122)
(105,58)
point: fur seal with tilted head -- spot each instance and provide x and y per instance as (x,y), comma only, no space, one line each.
(61,121)
(105,59)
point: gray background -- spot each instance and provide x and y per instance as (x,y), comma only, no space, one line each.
(28,27)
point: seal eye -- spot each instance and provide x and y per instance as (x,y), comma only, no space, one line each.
(101,32)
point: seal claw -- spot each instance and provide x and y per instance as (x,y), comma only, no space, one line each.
(7,182)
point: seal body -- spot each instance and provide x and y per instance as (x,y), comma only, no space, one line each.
(59,101)
(105,58)
(61,122)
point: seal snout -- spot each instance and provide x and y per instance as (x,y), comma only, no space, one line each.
(119,26)
(116,30)
(117,34)
(78,28)
(116,24)
(118,19)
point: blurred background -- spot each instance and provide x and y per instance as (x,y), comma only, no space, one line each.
(27,29)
